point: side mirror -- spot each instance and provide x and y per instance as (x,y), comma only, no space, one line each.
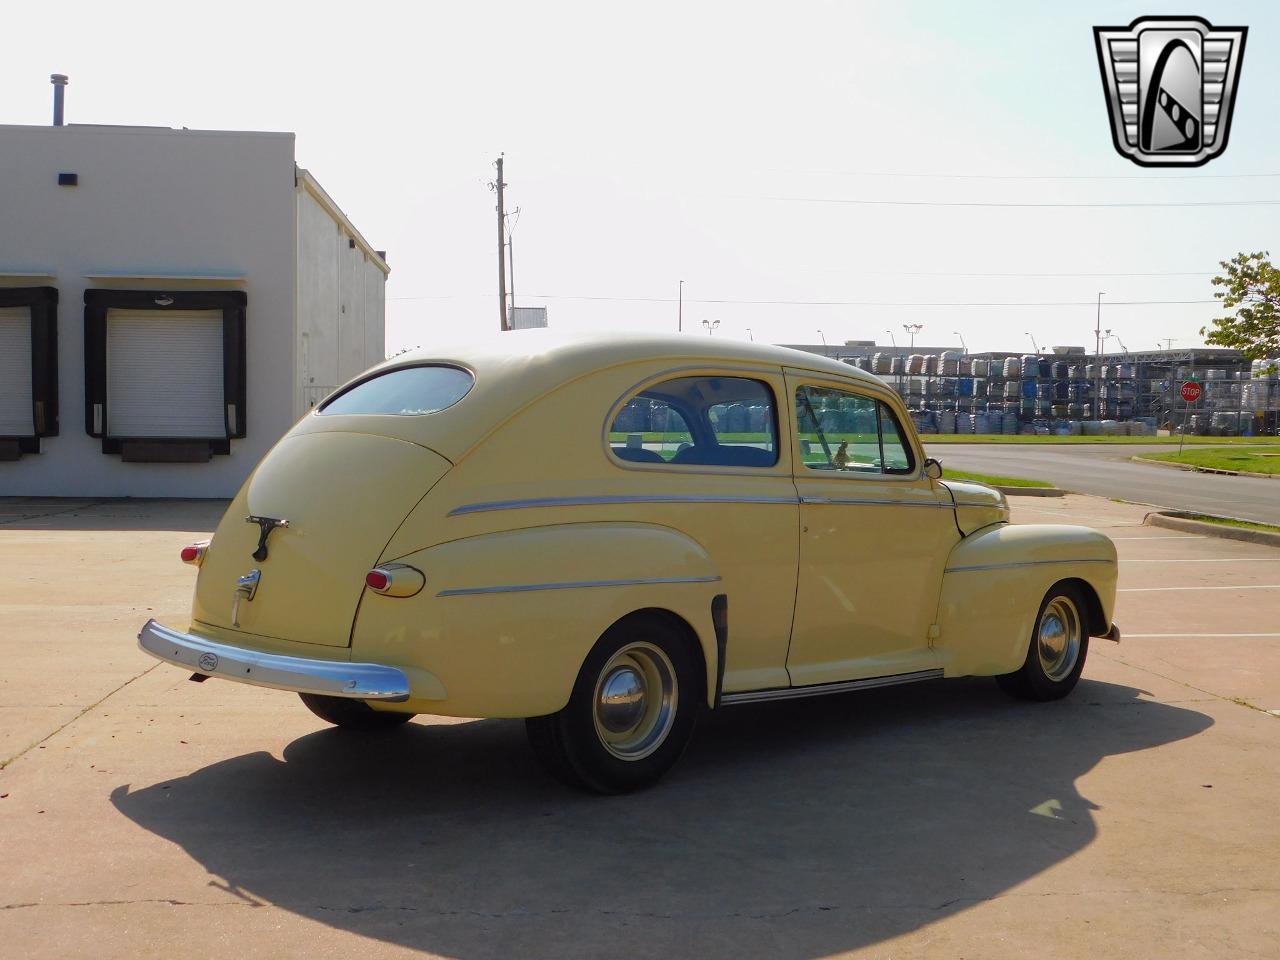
(933,469)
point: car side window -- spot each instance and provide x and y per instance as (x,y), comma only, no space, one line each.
(708,420)
(844,432)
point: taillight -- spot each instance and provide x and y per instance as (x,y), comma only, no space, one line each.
(395,580)
(194,554)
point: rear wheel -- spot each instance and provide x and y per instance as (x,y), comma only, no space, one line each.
(1059,645)
(352,714)
(631,713)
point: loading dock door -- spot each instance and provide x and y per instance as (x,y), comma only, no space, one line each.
(15,372)
(165,374)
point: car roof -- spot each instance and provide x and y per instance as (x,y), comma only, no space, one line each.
(514,369)
(575,353)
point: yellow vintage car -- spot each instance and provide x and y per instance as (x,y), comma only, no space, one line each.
(606,535)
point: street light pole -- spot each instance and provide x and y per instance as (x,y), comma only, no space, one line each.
(750,336)
(710,325)
(680,310)
(1034,346)
(1097,369)
(825,352)
(963,345)
(913,329)
(892,339)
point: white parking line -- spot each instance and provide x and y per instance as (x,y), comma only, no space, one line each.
(1209,560)
(1248,586)
(1197,636)
(1183,536)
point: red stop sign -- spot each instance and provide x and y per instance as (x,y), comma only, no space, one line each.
(1191,391)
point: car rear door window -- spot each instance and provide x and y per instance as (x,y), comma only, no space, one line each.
(717,421)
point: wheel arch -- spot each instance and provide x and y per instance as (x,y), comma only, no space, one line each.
(1095,617)
(707,655)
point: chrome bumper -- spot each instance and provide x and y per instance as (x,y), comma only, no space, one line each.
(333,678)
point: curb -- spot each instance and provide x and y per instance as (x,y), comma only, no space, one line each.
(1032,491)
(1191,468)
(1174,522)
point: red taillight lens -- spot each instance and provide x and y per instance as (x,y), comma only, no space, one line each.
(194,554)
(189,554)
(395,580)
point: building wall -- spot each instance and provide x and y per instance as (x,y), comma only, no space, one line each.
(341,301)
(154,202)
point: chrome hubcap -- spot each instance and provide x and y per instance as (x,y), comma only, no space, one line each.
(1058,638)
(635,701)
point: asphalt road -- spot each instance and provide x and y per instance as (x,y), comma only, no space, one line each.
(1105,470)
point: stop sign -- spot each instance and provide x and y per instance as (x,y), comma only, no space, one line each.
(1191,391)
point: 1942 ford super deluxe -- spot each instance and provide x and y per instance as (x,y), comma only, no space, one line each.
(607,535)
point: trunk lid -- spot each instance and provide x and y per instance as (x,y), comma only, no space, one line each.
(344,495)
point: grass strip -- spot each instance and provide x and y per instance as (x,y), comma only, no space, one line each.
(1249,460)
(992,481)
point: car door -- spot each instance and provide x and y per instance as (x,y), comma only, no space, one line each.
(875,533)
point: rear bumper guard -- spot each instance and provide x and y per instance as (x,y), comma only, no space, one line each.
(333,678)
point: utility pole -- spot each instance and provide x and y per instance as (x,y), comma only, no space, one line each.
(511,263)
(497,187)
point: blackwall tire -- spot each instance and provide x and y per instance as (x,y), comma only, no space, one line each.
(353,714)
(632,711)
(1057,649)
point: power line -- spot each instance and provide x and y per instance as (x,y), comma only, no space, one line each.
(1016,205)
(847,303)
(1150,178)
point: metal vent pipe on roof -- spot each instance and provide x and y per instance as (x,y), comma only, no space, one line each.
(59,81)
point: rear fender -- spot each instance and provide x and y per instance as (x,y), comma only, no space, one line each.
(506,619)
(993,585)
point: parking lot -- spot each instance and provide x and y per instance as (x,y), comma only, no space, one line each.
(143,815)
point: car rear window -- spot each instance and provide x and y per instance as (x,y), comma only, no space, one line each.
(404,392)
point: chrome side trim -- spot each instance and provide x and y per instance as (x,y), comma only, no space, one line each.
(334,678)
(817,690)
(866,501)
(977,503)
(1020,563)
(589,501)
(572,585)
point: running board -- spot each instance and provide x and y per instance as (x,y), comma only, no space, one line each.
(819,689)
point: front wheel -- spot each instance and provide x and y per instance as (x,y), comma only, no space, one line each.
(352,714)
(1059,645)
(631,713)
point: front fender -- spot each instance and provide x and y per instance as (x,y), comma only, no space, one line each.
(506,619)
(994,582)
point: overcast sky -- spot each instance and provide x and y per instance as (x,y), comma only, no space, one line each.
(649,143)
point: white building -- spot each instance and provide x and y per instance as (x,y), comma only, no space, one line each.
(171,301)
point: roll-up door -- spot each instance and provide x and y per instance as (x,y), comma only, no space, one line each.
(15,372)
(165,374)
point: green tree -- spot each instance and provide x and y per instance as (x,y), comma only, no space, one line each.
(1252,290)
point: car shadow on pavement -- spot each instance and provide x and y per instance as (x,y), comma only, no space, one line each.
(798,829)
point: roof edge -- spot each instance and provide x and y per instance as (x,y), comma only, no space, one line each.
(307,182)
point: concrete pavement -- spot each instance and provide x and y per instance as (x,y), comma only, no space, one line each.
(157,817)
(1105,470)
